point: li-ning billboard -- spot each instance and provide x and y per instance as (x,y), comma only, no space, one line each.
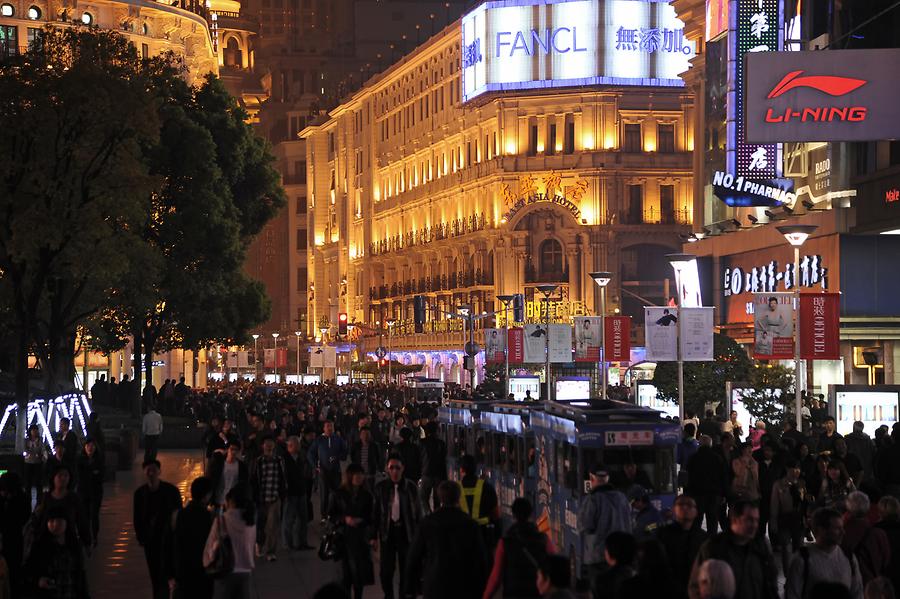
(828,95)
(536,44)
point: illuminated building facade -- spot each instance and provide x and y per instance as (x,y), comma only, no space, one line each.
(414,192)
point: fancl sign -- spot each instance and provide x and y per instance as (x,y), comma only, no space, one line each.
(533,44)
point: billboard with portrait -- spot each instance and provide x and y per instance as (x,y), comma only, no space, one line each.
(773,326)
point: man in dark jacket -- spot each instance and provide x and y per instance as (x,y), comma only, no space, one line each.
(91,472)
(707,482)
(519,553)
(447,552)
(409,453)
(295,518)
(367,454)
(682,540)
(154,504)
(861,445)
(396,516)
(325,455)
(183,560)
(751,560)
(479,500)
(434,465)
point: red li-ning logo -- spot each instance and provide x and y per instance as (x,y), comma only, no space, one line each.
(829,84)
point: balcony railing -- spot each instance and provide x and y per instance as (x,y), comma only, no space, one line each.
(449,282)
(454,228)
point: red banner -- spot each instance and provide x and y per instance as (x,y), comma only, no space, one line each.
(617,338)
(820,319)
(275,358)
(516,346)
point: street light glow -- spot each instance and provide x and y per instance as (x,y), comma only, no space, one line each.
(601,278)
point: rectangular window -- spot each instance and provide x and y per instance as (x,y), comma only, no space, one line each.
(635,204)
(300,171)
(569,143)
(532,140)
(9,40)
(301,283)
(34,36)
(667,203)
(550,149)
(632,137)
(301,205)
(665,138)
(145,51)
(301,240)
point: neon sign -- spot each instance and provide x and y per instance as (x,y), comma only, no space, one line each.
(46,414)
(531,41)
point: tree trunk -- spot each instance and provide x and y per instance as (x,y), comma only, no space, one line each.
(22,390)
(138,365)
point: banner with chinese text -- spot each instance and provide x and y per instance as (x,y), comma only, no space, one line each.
(516,346)
(316,354)
(820,323)
(697,334)
(587,338)
(494,346)
(560,344)
(618,338)
(276,360)
(773,326)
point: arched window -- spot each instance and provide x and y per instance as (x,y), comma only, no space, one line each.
(233,53)
(551,257)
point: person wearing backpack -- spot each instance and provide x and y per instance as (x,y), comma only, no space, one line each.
(519,553)
(825,561)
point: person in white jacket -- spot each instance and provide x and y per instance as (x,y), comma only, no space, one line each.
(239,524)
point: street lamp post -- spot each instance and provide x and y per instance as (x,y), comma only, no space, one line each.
(679,262)
(546,290)
(797,235)
(507,300)
(255,356)
(323,331)
(275,357)
(602,279)
(297,333)
(390,323)
(466,311)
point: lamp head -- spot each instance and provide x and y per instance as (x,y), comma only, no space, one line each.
(391,322)
(298,333)
(797,235)
(275,335)
(464,310)
(601,278)
(547,289)
(505,298)
(255,336)
(679,261)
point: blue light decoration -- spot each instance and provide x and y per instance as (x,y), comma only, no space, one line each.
(46,414)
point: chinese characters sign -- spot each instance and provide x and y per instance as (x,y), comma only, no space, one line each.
(758,30)
(618,338)
(820,319)
(538,44)
(765,279)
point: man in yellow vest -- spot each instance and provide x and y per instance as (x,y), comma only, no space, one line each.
(479,500)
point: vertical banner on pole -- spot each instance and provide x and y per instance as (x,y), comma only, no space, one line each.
(329,356)
(618,338)
(494,344)
(516,346)
(773,326)
(560,345)
(820,324)
(534,340)
(315,357)
(661,331)
(697,334)
(587,339)
(269,359)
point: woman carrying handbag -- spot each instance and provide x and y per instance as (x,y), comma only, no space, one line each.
(228,555)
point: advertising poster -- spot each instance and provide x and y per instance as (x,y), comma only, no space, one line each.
(329,357)
(820,319)
(697,334)
(520,386)
(661,329)
(315,356)
(773,326)
(618,338)
(573,388)
(516,346)
(535,339)
(560,343)
(272,355)
(494,346)
(587,338)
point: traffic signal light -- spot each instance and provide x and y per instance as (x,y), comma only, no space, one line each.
(518,308)
(342,323)
(419,313)
(382,362)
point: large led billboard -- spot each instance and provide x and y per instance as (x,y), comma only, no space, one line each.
(536,44)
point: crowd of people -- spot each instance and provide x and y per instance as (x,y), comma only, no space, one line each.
(359,473)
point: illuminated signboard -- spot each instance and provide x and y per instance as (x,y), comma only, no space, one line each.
(536,44)
(838,95)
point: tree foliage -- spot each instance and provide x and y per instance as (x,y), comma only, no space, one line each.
(704,382)
(771,394)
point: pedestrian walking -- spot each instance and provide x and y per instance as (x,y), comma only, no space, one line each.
(92,471)
(824,561)
(183,560)
(868,543)
(35,456)
(238,523)
(269,489)
(787,522)
(479,500)
(62,496)
(681,540)
(396,516)
(154,503)
(707,482)
(433,455)
(715,580)
(296,518)
(55,567)
(350,511)
(518,554)
(226,473)
(325,456)
(152,428)
(602,512)
(447,553)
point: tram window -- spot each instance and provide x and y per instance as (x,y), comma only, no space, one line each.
(631,469)
(481,450)
(530,458)
(665,467)
(515,452)
(567,466)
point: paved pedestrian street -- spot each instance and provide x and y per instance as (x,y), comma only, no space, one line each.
(117,569)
